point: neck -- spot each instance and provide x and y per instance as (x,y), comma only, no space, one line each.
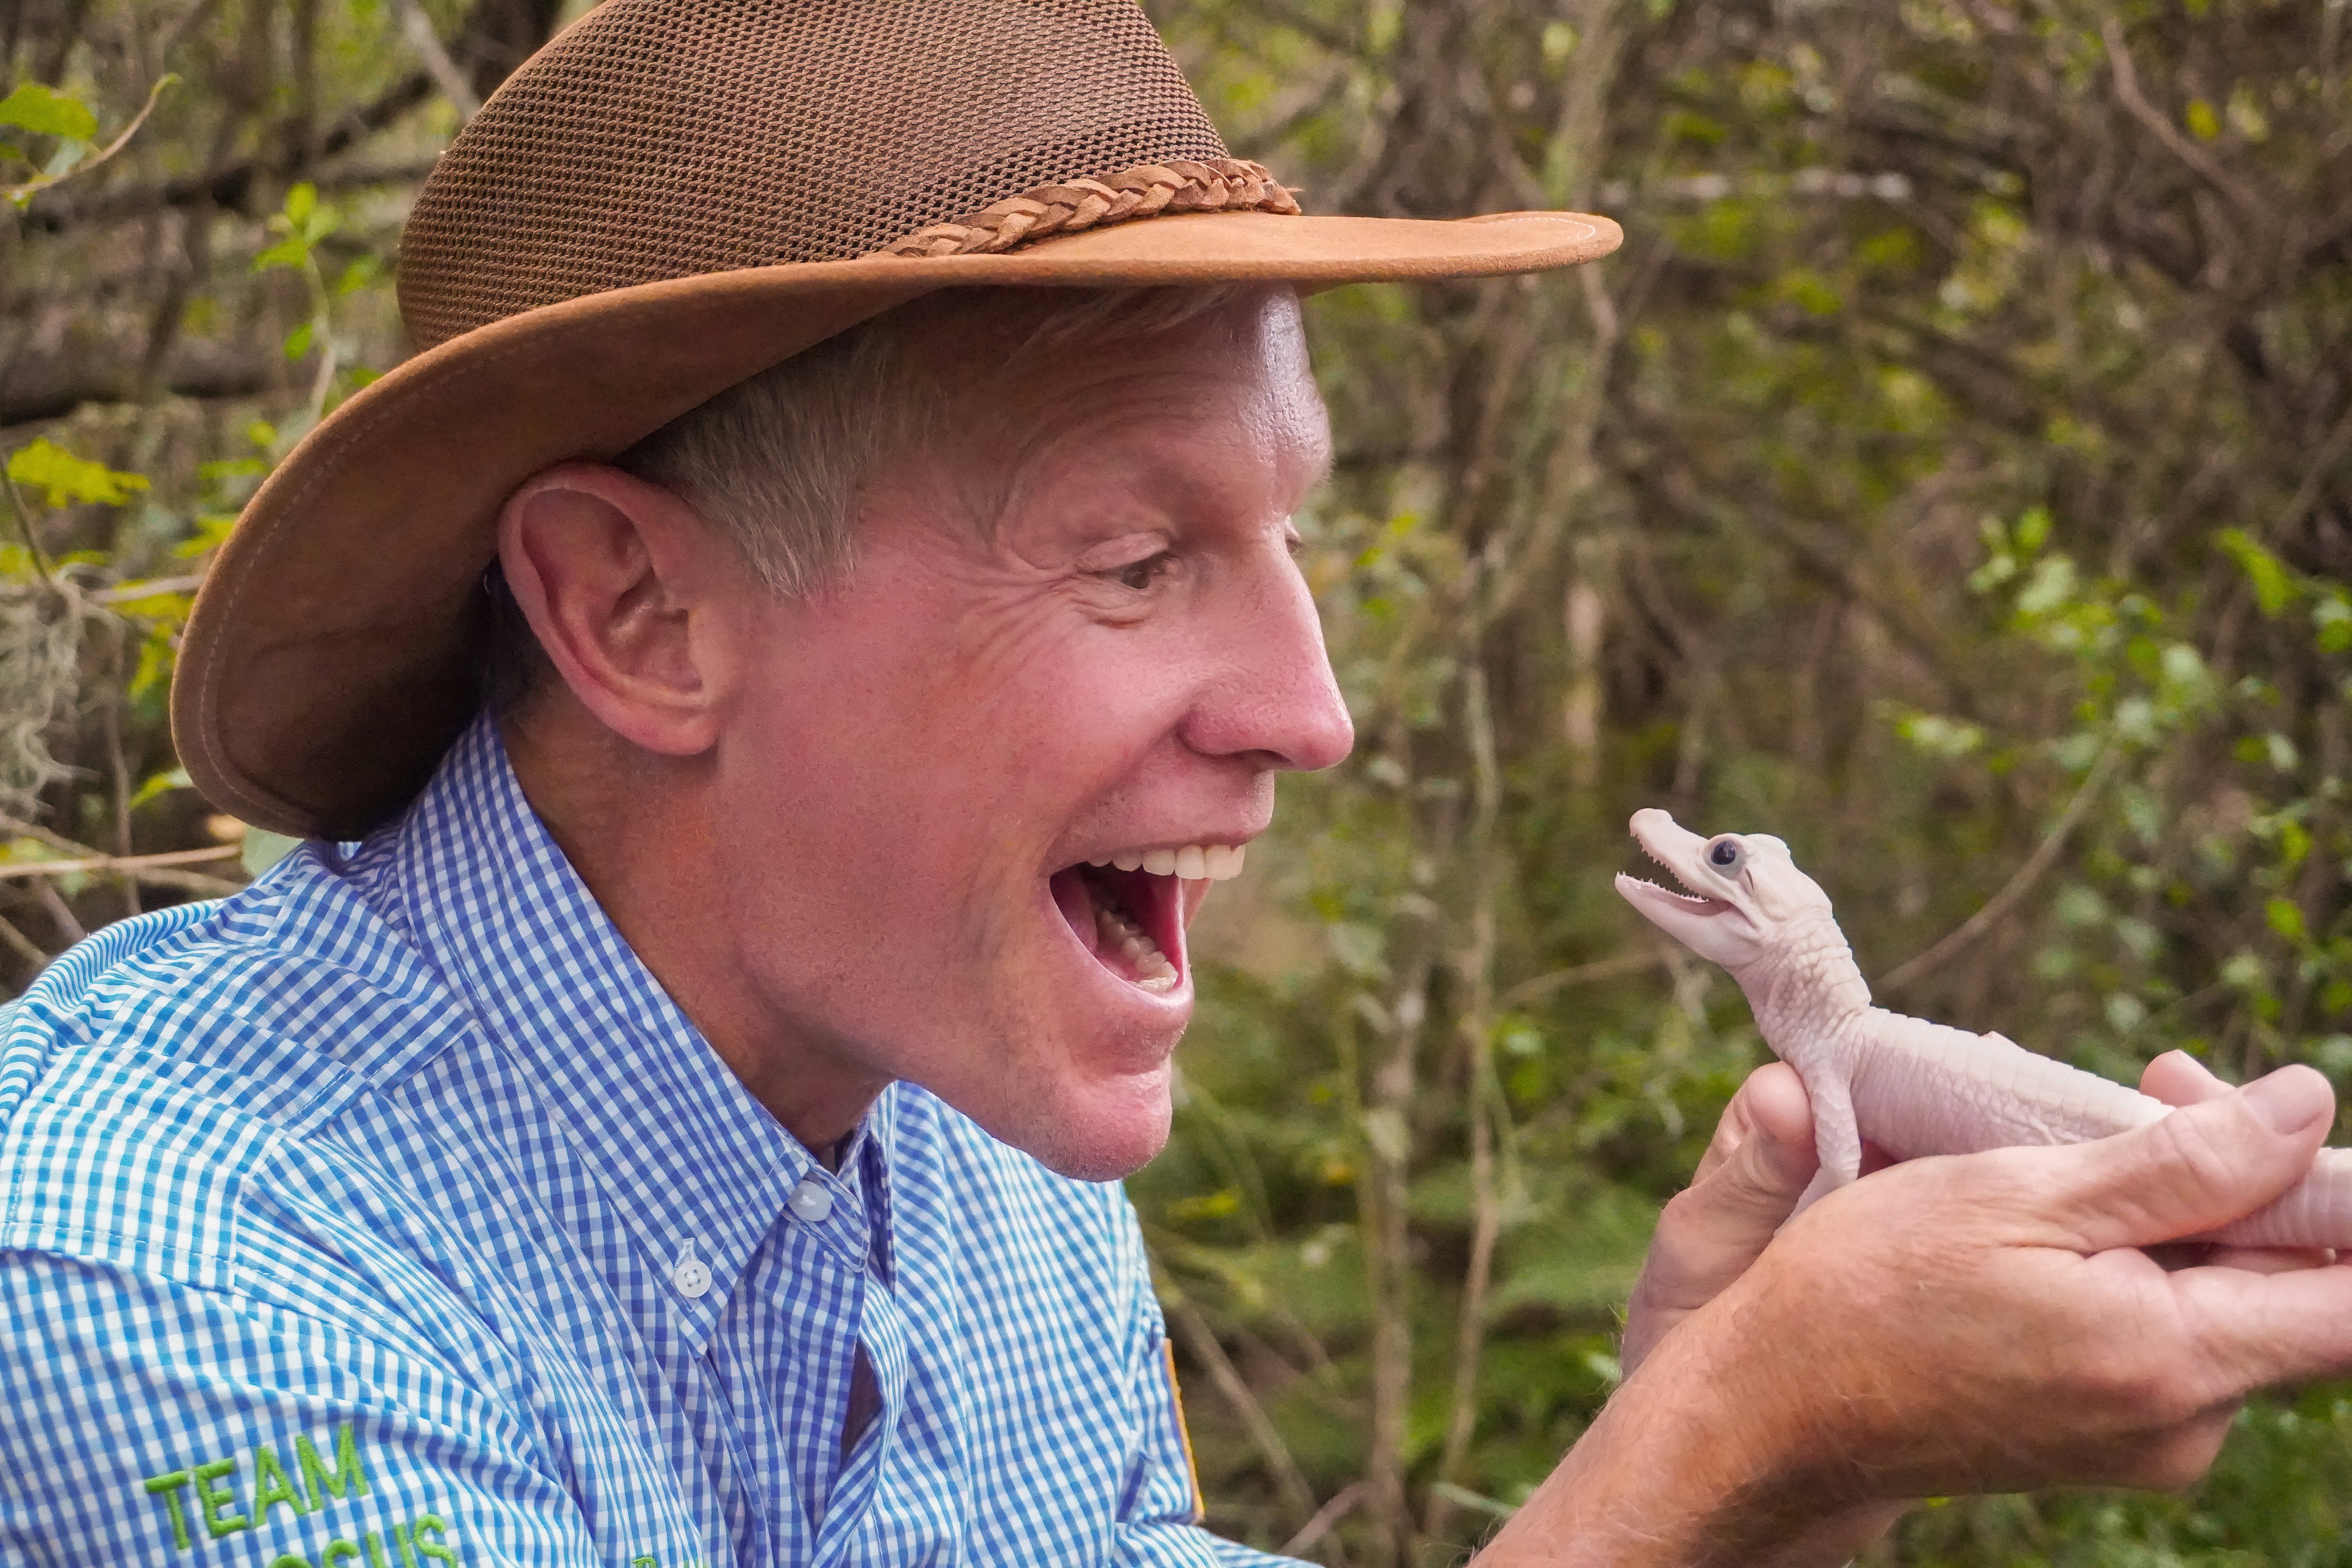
(643,832)
(1807,982)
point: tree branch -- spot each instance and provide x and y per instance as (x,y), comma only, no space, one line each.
(2203,162)
(2020,883)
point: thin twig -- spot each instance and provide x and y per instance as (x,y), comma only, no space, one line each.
(1476,968)
(418,29)
(192,883)
(68,925)
(2020,883)
(1538,987)
(24,193)
(147,588)
(1288,1480)
(23,946)
(25,527)
(2307,494)
(157,870)
(59,842)
(1342,1503)
(2127,89)
(118,765)
(119,865)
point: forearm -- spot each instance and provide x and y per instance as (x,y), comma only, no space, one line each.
(1678,1470)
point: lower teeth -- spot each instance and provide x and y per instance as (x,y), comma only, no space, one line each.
(1153,969)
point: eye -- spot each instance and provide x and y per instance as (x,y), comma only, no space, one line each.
(1726,854)
(1142,573)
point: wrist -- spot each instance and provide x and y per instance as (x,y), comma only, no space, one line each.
(1696,1459)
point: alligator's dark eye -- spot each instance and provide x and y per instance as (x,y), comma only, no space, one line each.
(1725,855)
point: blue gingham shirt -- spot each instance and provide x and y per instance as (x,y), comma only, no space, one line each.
(390,1215)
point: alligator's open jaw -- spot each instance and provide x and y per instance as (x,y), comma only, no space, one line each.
(1131,922)
(1666,841)
(1698,903)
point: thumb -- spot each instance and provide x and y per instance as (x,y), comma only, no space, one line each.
(1717,1226)
(2196,1170)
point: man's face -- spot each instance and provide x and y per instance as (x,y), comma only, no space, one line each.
(1075,636)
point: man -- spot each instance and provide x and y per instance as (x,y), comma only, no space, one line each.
(670,1113)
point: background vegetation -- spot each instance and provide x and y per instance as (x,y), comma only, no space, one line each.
(1953,475)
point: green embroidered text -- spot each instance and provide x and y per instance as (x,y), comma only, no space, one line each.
(211,1491)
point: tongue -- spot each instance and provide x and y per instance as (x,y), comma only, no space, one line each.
(1077,902)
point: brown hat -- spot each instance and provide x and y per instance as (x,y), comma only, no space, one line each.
(673,196)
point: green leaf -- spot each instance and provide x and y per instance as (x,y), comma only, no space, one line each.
(299,201)
(2286,918)
(2274,586)
(161,784)
(45,111)
(291,251)
(2332,616)
(2033,529)
(2203,124)
(65,480)
(156,656)
(363,272)
(297,341)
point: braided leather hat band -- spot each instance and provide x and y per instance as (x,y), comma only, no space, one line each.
(1217,184)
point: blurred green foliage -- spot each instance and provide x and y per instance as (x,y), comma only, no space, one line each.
(1949,474)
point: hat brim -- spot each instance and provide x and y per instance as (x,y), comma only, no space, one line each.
(327,663)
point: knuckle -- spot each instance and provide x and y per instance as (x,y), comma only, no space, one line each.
(2180,1458)
(2189,1153)
(2145,1392)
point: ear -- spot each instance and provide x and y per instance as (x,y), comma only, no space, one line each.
(626,587)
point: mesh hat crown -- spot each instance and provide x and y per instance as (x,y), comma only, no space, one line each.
(803,131)
(671,196)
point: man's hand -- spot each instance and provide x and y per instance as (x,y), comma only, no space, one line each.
(1984,1322)
(1754,1170)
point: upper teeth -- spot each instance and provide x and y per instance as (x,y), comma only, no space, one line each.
(1194,862)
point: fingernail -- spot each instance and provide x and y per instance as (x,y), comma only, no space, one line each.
(2291,1098)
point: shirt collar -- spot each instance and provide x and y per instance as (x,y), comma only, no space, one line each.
(679,1149)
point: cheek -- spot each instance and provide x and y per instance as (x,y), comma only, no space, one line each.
(1044,721)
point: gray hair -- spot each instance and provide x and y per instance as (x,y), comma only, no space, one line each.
(776,463)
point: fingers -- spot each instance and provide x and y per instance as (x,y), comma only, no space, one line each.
(2176,1078)
(2265,1329)
(2197,1170)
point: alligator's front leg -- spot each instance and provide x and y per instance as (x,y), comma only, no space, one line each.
(1837,1135)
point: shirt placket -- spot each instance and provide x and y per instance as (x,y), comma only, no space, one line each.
(833,1226)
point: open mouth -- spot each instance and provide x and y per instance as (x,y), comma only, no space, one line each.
(1699,902)
(1128,910)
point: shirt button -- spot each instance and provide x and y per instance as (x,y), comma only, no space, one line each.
(810,1200)
(691,1275)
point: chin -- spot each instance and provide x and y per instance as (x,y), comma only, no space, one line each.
(1097,1133)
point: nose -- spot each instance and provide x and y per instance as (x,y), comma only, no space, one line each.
(1277,701)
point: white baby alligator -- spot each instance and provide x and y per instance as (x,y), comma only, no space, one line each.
(1905,1085)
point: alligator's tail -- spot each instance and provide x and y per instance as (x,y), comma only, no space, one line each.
(2314,1212)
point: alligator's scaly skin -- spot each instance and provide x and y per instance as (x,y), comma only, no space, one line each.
(1909,1086)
